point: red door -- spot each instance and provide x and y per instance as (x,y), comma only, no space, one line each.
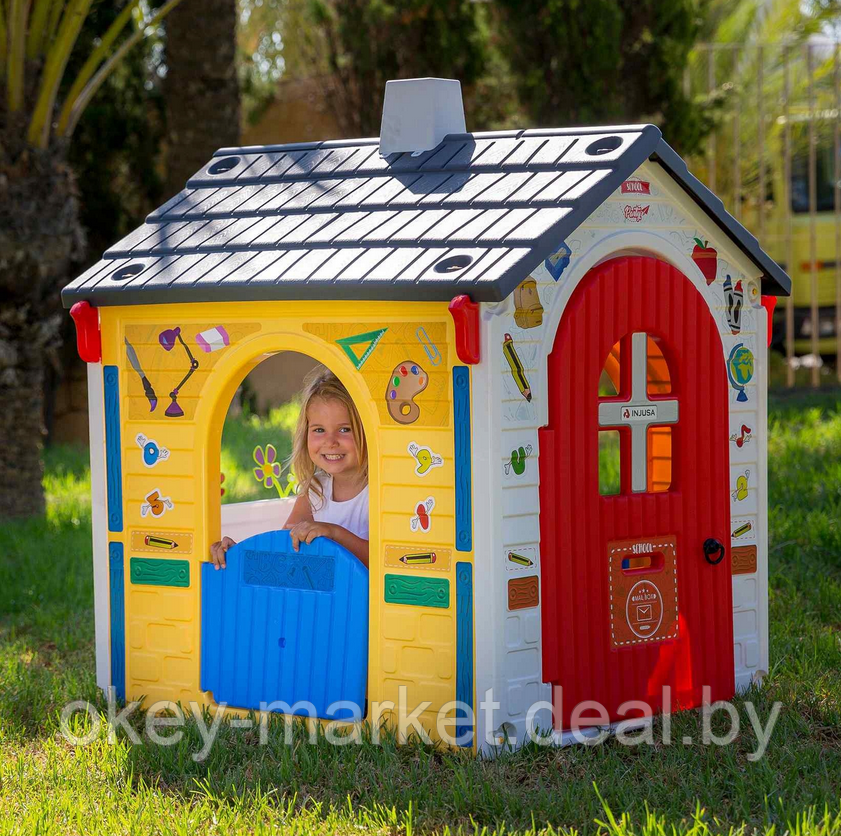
(632,599)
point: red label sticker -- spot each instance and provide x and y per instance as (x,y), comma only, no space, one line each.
(636,187)
(636,213)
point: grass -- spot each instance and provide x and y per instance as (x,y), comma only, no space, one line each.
(47,659)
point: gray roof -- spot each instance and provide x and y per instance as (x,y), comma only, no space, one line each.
(335,220)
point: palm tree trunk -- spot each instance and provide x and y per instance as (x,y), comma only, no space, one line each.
(201,89)
(41,241)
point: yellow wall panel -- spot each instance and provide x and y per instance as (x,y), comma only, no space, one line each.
(409,644)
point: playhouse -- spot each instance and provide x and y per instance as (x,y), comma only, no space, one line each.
(556,340)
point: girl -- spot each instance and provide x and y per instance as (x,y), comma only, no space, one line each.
(330,461)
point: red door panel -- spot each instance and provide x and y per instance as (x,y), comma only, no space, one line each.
(630,601)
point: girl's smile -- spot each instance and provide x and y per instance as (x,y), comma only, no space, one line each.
(330,438)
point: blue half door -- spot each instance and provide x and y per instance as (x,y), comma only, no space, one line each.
(285,626)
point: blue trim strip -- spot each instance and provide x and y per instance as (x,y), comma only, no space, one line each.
(117,573)
(464,644)
(113,454)
(461,438)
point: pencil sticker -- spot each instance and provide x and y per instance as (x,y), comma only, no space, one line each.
(425,459)
(423,559)
(520,557)
(516,366)
(172,542)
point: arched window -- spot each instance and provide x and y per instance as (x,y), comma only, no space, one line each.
(631,400)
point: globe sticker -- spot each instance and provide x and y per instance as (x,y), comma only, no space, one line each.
(740,370)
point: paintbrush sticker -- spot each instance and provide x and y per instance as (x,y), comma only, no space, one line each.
(147,386)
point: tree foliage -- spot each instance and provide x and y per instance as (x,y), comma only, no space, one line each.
(586,62)
(355,46)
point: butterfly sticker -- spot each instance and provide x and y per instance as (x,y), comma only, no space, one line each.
(421,521)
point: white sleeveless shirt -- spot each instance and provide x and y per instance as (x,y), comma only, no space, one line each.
(351,514)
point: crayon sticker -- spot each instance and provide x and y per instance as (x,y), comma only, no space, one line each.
(520,557)
(155,504)
(516,366)
(425,458)
(517,461)
(424,559)
(170,542)
(743,530)
(421,521)
(152,451)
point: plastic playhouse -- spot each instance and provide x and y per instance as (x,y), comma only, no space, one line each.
(508,311)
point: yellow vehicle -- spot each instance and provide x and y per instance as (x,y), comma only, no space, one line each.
(791,246)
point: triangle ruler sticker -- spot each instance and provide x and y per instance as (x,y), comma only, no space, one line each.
(369,339)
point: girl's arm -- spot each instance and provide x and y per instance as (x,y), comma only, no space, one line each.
(301,512)
(355,545)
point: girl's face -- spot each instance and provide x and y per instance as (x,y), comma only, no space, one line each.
(330,437)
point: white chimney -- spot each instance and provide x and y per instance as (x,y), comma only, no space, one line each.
(419,112)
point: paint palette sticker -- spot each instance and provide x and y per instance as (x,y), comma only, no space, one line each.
(162,542)
(432,559)
(419,344)
(518,558)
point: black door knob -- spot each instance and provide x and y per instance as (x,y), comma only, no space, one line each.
(713,547)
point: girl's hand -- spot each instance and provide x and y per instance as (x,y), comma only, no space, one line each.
(217,551)
(306,532)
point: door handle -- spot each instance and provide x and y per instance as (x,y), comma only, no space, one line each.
(711,548)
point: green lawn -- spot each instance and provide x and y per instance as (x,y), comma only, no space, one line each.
(47,659)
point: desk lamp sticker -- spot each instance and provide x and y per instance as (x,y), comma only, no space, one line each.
(740,368)
(425,459)
(164,360)
(516,463)
(421,520)
(152,451)
(520,557)
(155,504)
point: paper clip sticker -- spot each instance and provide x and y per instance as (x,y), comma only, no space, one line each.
(429,347)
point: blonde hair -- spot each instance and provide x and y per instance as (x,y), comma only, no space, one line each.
(322,383)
